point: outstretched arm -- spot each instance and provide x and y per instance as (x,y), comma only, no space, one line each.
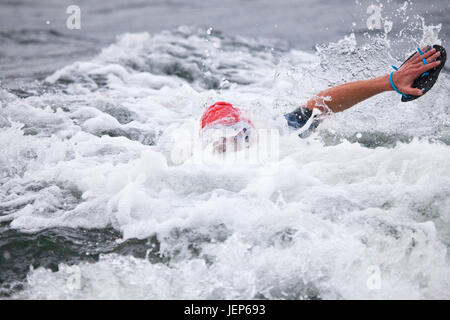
(346,95)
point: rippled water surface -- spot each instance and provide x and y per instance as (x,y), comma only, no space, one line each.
(92,182)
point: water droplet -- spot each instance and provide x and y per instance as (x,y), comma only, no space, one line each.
(6,255)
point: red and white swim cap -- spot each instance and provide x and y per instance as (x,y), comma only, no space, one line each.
(223,124)
(223,113)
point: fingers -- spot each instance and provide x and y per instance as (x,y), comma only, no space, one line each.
(424,48)
(415,58)
(433,57)
(428,54)
(427,67)
(418,58)
(412,91)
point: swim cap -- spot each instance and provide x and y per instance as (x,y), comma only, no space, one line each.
(223,113)
(223,124)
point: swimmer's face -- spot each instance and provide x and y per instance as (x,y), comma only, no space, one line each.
(236,143)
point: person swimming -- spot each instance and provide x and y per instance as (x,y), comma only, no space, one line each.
(226,127)
(415,77)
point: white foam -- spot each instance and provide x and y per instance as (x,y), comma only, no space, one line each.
(310,224)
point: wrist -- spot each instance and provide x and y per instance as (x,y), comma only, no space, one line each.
(385,83)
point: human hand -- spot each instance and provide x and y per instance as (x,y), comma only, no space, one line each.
(404,77)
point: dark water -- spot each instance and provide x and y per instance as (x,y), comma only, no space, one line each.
(35,43)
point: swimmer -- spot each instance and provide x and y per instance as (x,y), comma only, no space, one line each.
(415,77)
